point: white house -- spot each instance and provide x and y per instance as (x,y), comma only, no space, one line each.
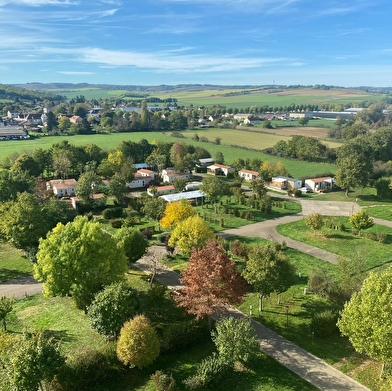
(284,183)
(248,175)
(142,179)
(169,175)
(320,184)
(62,187)
(220,169)
(162,190)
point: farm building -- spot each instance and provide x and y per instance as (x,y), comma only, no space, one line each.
(248,175)
(320,184)
(220,169)
(286,183)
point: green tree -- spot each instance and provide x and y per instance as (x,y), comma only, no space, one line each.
(118,188)
(303,121)
(214,188)
(138,344)
(211,282)
(235,340)
(268,270)
(190,233)
(219,158)
(112,307)
(12,183)
(355,164)
(144,116)
(89,184)
(24,221)
(366,319)
(179,184)
(79,259)
(177,120)
(6,306)
(31,360)
(26,163)
(132,241)
(361,221)
(258,188)
(154,208)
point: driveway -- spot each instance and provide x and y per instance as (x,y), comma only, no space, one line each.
(329,208)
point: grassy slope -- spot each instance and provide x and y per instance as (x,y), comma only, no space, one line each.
(12,263)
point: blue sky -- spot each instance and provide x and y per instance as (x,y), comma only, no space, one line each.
(228,42)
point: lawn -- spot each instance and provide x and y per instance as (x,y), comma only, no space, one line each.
(344,243)
(13,263)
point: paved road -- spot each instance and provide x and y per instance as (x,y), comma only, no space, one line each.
(306,365)
(20,287)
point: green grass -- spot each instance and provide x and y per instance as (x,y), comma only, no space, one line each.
(380,212)
(13,263)
(207,212)
(344,243)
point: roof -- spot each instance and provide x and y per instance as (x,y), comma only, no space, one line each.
(145,171)
(186,195)
(322,179)
(219,166)
(55,182)
(250,172)
(278,177)
(167,187)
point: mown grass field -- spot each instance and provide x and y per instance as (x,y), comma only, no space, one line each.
(344,243)
(13,263)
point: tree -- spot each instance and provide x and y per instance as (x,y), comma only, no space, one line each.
(6,305)
(303,121)
(12,183)
(211,282)
(24,221)
(89,183)
(179,184)
(112,307)
(177,120)
(268,270)
(118,188)
(355,164)
(176,212)
(79,259)
(138,344)
(30,360)
(26,163)
(361,220)
(258,188)
(144,116)
(314,221)
(132,241)
(214,188)
(366,319)
(235,340)
(178,153)
(219,158)
(190,233)
(154,208)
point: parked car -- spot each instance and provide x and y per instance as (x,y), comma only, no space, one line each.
(305,189)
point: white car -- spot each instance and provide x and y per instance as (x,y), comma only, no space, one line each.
(305,189)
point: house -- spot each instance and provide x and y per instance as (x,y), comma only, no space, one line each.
(62,187)
(142,179)
(205,162)
(33,119)
(196,196)
(192,186)
(161,190)
(320,184)
(75,119)
(220,169)
(169,175)
(99,200)
(286,183)
(248,175)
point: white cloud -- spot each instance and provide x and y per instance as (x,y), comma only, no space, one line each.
(108,12)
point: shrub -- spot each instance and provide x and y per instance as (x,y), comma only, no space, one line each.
(113,213)
(342,227)
(163,382)
(323,324)
(89,368)
(148,232)
(116,223)
(239,249)
(297,193)
(209,372)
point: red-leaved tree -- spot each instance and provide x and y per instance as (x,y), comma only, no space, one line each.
(211,282)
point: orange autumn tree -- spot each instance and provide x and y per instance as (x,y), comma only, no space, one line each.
(211,282)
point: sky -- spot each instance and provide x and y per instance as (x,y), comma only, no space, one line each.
(227,42)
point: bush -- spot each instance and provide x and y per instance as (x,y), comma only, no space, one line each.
(209,372)
(297,193)
(116,223)
(239,249)
(323,324)
(163,382)
(148,232)
(113,213)
(89,368)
